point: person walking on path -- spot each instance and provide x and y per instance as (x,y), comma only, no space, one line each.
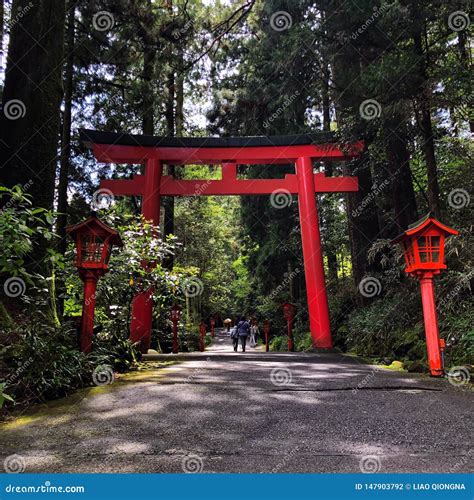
(243,330)
(253,333)
(235,338)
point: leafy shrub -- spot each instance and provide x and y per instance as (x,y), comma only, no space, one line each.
(304,342)
(278,343)
(44,362)
(115,349)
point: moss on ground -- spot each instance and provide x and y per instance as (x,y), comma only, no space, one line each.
(144,372)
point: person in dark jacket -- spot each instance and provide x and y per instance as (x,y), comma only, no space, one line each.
(243,330)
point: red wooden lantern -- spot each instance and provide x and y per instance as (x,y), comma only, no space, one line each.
(94,241)
(423,248)
(175,317)
(423,245)
(289,311)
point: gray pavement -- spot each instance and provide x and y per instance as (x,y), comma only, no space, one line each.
(221,411)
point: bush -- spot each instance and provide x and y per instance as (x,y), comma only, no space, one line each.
(43,363)
(115,349)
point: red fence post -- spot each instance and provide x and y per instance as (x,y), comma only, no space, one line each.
(266,332)
(312,254)
(202,334)
(213,323)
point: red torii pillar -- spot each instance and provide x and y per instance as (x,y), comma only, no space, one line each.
(318,308)
(142,304)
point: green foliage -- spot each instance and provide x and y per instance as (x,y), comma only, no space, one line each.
(4,396)
(20,224)
(44,362)
(112,347)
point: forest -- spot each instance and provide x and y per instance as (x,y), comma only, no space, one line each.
(395,74)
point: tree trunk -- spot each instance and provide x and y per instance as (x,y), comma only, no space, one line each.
(29,125)
(362,212)
(148,125)
(179,116)
(424,117)
(2,21)
(328,167)
(168,201)
(400,179)
(66,131)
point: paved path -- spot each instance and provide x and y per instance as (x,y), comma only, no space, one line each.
(221,411)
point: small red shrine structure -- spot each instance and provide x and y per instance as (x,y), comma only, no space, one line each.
(230,152)
(423,249)
(94,241)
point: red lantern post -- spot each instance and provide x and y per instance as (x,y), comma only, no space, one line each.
(289,311)
(423,247)
(94,241)
(213,324)
(202,335)
(175,316)
(266,333)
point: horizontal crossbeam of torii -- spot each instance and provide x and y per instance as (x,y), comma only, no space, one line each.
(301,150)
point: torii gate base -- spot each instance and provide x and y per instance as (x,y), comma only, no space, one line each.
(154,152)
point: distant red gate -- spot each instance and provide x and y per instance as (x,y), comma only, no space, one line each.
(154,152)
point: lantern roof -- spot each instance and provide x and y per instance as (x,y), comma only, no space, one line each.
(422,224)
(95,225)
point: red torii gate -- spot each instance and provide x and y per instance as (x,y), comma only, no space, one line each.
(154,152)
